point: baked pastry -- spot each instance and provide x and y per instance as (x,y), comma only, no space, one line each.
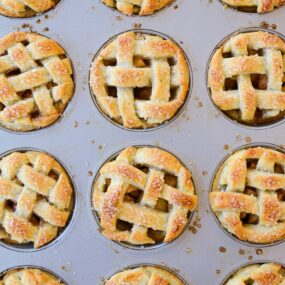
(26,8)
(264,274)
(248,195)
(144,275)
(36,81)
(141,8)
(36,198)
(253,6)
(140,80)
(247,77)
(144,196)
(29,276)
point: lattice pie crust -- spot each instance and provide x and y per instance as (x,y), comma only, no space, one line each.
(248,195)
(25,8)
(36,198)
(144,196)
(247,78)
(140,80)
(36,81)
(150,275)
(263,274)
(29,276)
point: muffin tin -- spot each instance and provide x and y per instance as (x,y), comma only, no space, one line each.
(201,137)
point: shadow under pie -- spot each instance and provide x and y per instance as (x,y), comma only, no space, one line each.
(256,272)
(27,9)
(28,275)
(247,195)
(140,80)
(246,77)
(143,197)
(36,82)
(37,200)
(140,273)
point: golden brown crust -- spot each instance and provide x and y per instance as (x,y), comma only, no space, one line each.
(240,189)
(113,201)
(28,8)
(41,84)
(160,77)
(28,276)
(37,186)
(144,275)
(137,7)
(262,274)
(240,66)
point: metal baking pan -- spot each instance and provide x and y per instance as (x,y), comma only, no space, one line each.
(201,137)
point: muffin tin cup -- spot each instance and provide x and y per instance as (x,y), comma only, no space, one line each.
(232,236)
(69,104)
(262,261)
(28,248)
(179,111)
(33,267)
(125,244)
(159,266)
(224,115)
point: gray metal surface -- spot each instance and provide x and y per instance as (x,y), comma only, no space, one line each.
(198,137)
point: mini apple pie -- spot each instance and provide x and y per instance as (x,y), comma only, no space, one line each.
(248,195)
(143,197)
(29,276)
(265,274)
(36,198)
(140,80)
(25,8)
(145,275)
(139,7)
(246,78)
(254,6)
(36,82)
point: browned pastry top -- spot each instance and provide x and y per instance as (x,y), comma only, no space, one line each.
(140,80)
(26,8)
(247,77)
(144,196)
(36,198)
(36,81)
(248,195)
